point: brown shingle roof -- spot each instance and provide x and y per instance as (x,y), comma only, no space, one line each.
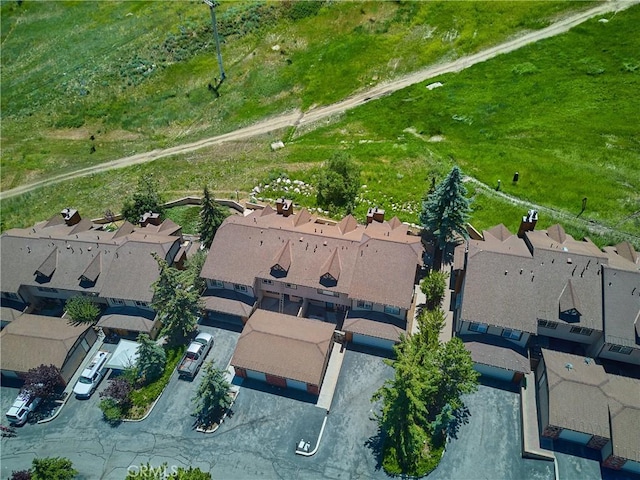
(624,411)
(374,266)
(127,319)
(557,233)
(285,346)
(49,265)
(621,290)
(577,398)
(497,352)
(94,269)
(626,250)
(229,302)
(569,298)
(584,398)
(331,266)
(500,232)
(32,340)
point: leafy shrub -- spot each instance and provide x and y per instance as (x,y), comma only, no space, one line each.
(299,9)
(526,68)
(113,412)
(82,310)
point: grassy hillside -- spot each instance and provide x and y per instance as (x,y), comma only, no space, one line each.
(134,75)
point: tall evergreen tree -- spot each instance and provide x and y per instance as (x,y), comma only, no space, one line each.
(177,302)
(212,397)
(446,211)
(211,217)
(151,359)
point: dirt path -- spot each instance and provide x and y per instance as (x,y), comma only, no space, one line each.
(298,118)
(595,228)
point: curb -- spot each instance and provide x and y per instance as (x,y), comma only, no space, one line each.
(152,405)
(315,450)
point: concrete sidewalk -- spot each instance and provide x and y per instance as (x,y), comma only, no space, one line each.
(529,413)
(331,377)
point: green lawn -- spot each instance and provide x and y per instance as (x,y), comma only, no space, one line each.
(134,75)
(562,112)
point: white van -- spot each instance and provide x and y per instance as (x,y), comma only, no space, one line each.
(91,376)
(21,408)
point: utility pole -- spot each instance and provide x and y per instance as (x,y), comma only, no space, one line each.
(212,7)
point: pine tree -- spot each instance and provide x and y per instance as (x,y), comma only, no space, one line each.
(446,211)
(176,301)
(151,359)
(212,397)
(211,217)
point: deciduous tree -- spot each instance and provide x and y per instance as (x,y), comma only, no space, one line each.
(212,397)
(42,381)
(211,217)
(339,183)
(145,199)
(445,211)
(52,468)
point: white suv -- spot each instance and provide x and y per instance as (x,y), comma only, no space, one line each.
(21,408)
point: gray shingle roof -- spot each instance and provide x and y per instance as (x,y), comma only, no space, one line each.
(497,352)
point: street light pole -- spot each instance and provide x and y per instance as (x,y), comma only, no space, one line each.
(212,7)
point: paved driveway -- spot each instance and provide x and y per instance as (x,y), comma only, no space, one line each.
(258,440)
(489,445)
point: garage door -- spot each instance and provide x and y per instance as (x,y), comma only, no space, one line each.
(631,466)
(575,437)
(256,375)
(372,341)
(494,372)
(296,384)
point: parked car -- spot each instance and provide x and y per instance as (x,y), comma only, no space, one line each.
(194,357)
(22,407)
(91,376)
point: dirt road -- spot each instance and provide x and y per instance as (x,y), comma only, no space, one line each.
(298,118)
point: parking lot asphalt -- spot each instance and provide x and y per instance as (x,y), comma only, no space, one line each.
(489,446)
(258,439)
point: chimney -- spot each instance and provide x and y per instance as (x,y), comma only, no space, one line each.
(528,223)
(150,218)
(376,214)
(284,207)
(71,216)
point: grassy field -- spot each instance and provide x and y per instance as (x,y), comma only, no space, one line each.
(562,112)
(133,75)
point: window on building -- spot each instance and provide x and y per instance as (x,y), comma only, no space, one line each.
(364,305)
(478,327)
(391,310)
(218,283)
(141,304)
(291,286)
(10,295)
(240,288)
(267,281)
(581,331)
(328,292)
(117,301)
(621,349)
(47,289)
(511,334)
(548,324)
